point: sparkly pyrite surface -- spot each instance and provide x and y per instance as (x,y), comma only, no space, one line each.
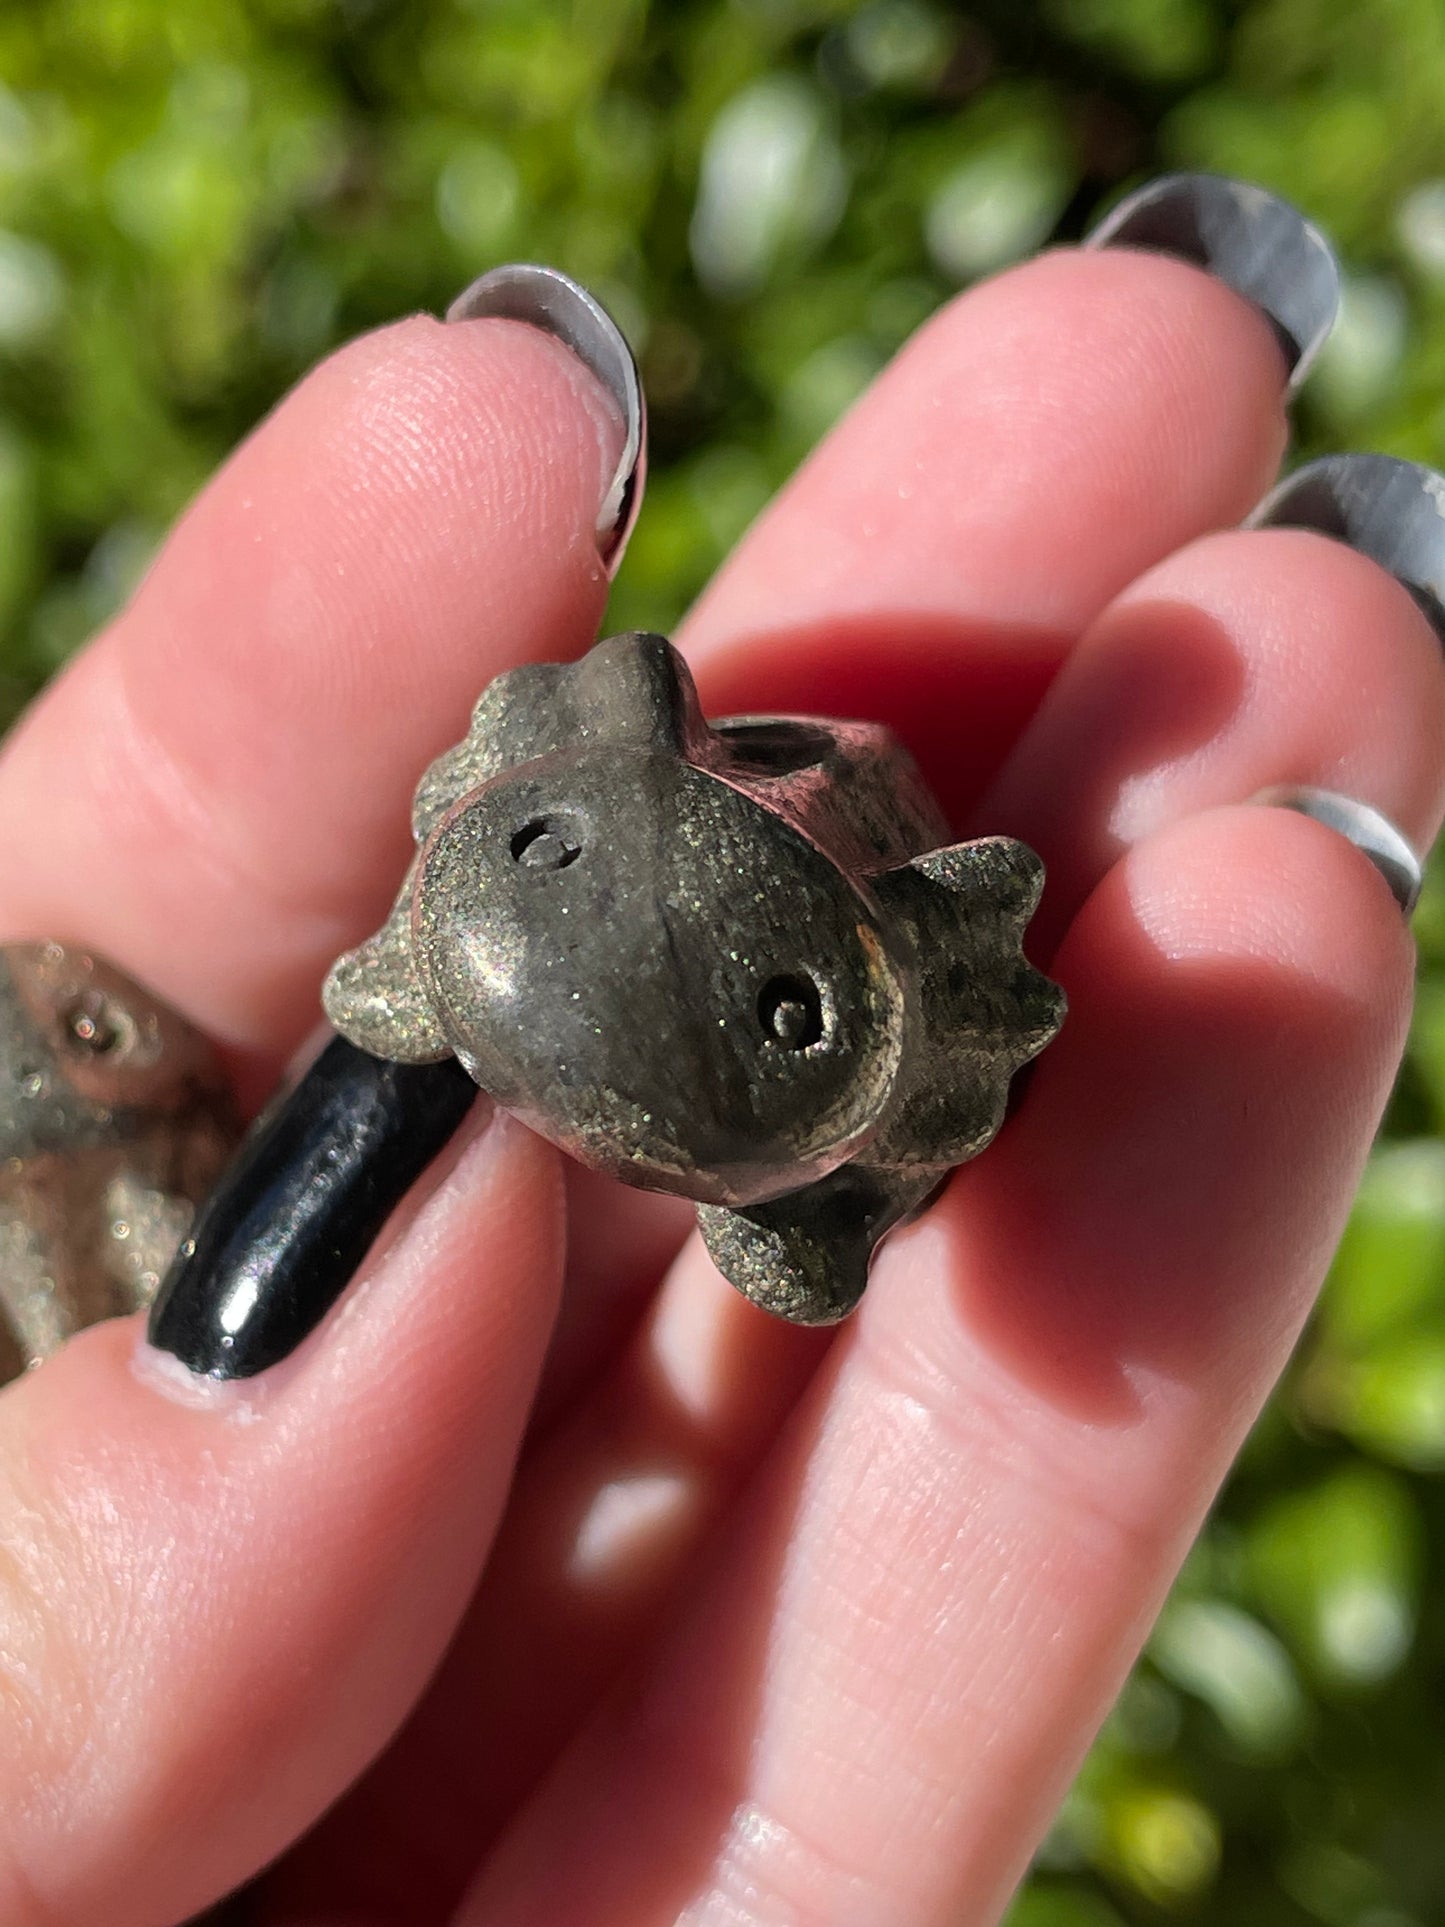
(723,960)
(115,1120)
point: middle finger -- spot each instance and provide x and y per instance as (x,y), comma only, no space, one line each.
(1038,444)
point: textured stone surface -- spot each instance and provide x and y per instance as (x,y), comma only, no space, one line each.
(115,1120)
(723,960)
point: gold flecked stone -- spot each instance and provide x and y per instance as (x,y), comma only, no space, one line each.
(115,1119)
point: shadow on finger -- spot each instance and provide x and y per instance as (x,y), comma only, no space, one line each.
(958,693)
(1171,682)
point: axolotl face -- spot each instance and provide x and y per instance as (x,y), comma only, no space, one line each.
(658,973)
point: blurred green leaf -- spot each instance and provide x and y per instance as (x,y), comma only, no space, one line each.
(1237,1667)
(1047,1905)
(1338,1567)
(1163,1842)
(1393,1400)
(1390,1268)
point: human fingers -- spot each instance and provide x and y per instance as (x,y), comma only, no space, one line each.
(911,1628)
(1105,427)
(1297,653)
(1270,656)
(1247,661)
(215,794)
(217,1601)
(1047,436)
(931,564)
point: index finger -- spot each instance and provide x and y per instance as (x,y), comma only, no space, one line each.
(215,792)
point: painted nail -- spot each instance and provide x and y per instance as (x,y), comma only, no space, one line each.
(561,307)
(291,1219)
(1250,239)
(1390,510)
(241,1909)
(1374,835)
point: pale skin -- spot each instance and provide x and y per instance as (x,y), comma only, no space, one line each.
(741,1624)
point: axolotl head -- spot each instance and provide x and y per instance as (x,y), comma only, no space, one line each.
(659,973)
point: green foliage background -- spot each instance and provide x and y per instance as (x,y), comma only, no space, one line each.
(198,197)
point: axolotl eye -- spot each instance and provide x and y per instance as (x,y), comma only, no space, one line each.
(790,1010)
(96,1026)
(550,842)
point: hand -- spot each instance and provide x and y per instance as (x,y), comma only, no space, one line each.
(741,1623)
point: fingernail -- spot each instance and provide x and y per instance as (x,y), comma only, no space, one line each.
(1374,835)
(1390,510)
(1246,237)
(282,1234)
(563,308)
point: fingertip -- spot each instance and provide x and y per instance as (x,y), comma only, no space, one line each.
(1180,1166)
(1269,885)
(1163,368)
(1043,438)
(1251,240)
(431,398)
(1247,660)
(544,298)
(1369,830)
(1337,653)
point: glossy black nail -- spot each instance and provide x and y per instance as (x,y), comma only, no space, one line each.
(240,1909)
(1252,240)
(1393,511)
(547,299)
(282,1234)
(1374,835)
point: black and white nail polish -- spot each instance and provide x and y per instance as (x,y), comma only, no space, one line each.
(1254,241)
(1391,510)
(547,299)
(1372,834)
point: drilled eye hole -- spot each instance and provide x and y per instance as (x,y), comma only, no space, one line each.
(774,748)
(546,843)
(791,1012)
(94,1026)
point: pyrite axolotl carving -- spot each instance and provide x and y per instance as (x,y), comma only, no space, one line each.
(723,960)
(115,1120)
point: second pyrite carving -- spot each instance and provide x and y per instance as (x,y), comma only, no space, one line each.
(723,960)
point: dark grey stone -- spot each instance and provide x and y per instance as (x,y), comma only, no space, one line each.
(726,961)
